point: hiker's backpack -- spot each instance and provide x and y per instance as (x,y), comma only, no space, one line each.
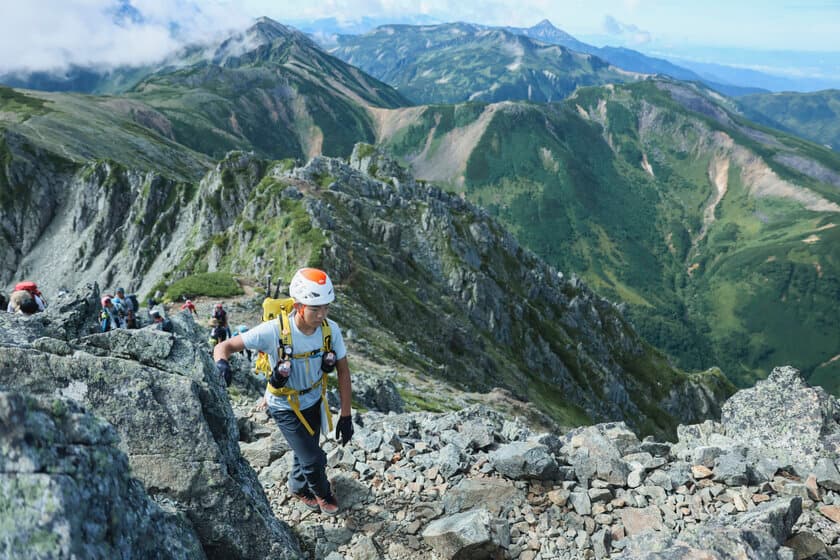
(104,320)
(28,286)
(134,302)
(272,309)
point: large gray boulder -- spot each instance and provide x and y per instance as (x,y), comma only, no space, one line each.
(472,535)
(597,451)
(66,490)
(522,460)
(162,395)
(783,418)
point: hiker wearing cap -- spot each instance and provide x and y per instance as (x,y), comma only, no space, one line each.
(302,346)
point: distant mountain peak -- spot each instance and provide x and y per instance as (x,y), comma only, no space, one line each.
(267,30)
(547,31)
(263,32)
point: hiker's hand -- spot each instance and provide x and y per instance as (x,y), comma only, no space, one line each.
(223,369)
(280,374)
(277,380)
(344,429)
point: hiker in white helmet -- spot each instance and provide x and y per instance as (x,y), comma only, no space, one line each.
(303,346)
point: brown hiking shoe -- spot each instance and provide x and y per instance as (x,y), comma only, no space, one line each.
(308,499)
(328,505)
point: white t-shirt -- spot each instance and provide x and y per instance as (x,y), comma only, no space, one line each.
(305,371)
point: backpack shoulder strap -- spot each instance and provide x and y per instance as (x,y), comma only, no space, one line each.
(326,334)
(285,331)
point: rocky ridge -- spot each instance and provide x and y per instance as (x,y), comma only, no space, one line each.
(474,484)
(66,490)
(471,483)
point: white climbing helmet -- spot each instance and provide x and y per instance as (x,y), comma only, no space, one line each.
(311,286)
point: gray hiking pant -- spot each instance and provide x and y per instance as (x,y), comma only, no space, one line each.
(310,461)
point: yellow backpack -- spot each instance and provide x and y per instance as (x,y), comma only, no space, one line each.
(272,309)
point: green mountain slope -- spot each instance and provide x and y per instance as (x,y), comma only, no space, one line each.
(815,116)
(269,89)
(80,128)
(429,283)
(450,63)
(433,283)
(718,234)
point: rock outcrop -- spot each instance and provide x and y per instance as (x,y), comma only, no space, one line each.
(66,492)
(163,398)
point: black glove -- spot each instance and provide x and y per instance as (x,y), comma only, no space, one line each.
(344,429)
(280,374)
(223,369)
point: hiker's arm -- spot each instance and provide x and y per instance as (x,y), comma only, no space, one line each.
(345,390)
(223,350)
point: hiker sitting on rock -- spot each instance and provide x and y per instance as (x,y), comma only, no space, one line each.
(310,347)
(34,293)
(160,323)
(22,302)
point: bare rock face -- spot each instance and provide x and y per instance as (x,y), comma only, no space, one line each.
(164,399)
(66,490)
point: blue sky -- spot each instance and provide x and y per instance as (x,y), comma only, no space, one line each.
(49,34)
(768,24)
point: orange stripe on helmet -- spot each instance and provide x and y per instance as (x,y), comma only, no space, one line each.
(314,275)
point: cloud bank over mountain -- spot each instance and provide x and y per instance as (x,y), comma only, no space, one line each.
(52,35)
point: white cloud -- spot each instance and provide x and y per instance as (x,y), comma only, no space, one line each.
(628,32)
(50,35)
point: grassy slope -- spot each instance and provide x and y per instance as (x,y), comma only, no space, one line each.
(815,115)
(81,127)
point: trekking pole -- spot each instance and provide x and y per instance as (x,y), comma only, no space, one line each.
(268,285)
(277,287)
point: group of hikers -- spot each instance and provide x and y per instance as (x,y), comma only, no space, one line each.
(298,347)
(118,311)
